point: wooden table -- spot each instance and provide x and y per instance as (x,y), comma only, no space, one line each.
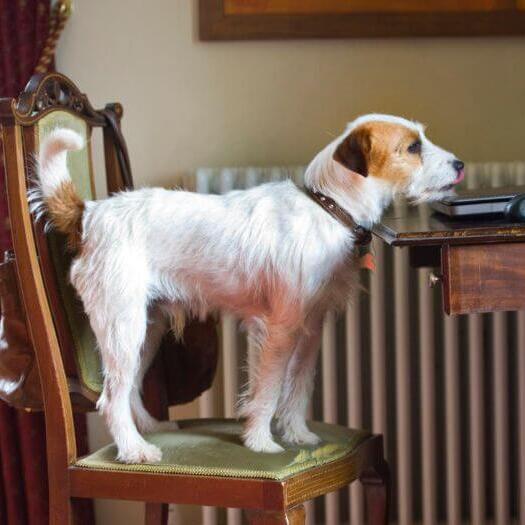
(480,264)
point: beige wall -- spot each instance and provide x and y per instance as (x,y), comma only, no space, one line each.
(191,104)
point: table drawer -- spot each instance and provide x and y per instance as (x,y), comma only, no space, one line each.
(483,277)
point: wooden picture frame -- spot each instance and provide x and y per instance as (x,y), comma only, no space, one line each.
(288,19)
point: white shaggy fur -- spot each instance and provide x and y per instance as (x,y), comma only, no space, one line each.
(270,255)
(52,167)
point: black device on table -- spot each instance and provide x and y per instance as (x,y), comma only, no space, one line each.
(485,202)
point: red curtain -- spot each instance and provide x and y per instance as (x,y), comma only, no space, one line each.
(23,482)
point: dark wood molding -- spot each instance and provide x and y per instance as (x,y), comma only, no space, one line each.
(214,24)
(48,92)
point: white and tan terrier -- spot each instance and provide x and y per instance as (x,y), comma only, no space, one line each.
(271,255)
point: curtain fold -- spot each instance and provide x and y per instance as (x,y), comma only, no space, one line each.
(12,472)
(24,26)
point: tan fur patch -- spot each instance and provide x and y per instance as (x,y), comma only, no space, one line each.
(384,146)
(65,208)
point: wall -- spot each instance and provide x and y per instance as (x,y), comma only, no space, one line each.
(190,104)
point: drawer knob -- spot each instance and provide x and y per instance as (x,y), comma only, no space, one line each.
(434,279)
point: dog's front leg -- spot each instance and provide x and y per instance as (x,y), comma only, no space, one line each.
(266,390)
(298,386)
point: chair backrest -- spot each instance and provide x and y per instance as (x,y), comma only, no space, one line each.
(77,341)
(62,338)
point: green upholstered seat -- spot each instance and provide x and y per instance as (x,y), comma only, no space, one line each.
(213,447)
(79,163)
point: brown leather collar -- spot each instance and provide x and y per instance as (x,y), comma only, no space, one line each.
(362,236)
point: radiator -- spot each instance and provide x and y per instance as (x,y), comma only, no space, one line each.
(448,393)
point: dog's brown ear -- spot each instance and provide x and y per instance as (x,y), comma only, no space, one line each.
(353,152)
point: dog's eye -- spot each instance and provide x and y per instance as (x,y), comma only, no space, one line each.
(415,147)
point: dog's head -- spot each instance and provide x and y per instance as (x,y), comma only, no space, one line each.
(391,154)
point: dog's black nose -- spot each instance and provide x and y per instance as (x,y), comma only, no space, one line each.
(458,165)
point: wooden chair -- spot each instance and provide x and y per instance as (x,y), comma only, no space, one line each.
(204,463)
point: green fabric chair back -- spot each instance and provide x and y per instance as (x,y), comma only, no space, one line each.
(85,350)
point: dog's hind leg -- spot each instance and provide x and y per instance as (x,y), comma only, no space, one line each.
(297,390)
(120,335)
(260,409)
(157,327)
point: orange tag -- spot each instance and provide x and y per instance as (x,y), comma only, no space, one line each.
(367,262)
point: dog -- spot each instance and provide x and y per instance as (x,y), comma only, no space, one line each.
(146,260)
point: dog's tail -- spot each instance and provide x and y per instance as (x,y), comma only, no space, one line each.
(55,192)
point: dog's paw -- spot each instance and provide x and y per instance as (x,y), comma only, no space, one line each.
(268,447)
(300,436)
(140,453)
(258,442)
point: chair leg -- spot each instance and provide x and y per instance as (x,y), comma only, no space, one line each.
(376,484)
(293,516)
(70,511)
(61,513)
(156,402)
(156,514)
